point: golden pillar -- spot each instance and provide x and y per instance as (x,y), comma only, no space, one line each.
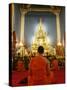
(57,13)
(58,29)
(12,17)
(22,27)
(23,12)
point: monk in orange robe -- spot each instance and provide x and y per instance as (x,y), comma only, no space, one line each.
(55,66)
(20,74)
(55,69)
(39,70)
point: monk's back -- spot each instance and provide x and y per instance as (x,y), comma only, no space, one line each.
(38,67)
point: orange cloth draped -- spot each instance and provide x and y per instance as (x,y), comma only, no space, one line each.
(55,66)
(19,74)
(39,71)
(20,66)
(55,69)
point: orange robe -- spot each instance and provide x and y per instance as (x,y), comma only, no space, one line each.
(55,66)
(39,71)
(19,74)
(20,66)
(55,69)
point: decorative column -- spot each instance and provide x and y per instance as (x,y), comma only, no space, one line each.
(23,12)
(59,48)
(22,27)
(58,29)
(57,12)
(12,17)
(13,35)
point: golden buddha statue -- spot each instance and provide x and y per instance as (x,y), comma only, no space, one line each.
(40,38)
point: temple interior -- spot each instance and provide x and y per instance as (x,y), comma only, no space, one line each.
(33,26)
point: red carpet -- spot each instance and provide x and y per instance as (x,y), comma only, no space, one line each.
(20,78)
(61,76)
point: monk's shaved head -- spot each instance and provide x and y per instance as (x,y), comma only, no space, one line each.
(40,50)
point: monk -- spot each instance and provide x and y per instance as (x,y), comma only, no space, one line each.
(39,70)
(55,69)
(20,66)
(54,63)
(20,74)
